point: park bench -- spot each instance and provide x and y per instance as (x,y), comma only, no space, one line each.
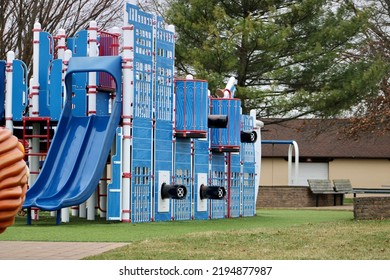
(321,187)
(344,185)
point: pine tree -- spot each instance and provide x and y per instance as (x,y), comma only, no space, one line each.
(290,58)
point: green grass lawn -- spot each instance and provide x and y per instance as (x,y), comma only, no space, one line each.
(272,234)
(103,231)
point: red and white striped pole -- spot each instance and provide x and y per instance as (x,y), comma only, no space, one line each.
(93,51)
(65,62)
(8,91)
(92,91)
(61,44)
(34,110)
(34,107)
(128,109)
(65,55)
(61,48)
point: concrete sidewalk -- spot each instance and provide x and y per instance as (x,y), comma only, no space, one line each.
(31,250)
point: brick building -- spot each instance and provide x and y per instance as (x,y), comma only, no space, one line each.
(325,152)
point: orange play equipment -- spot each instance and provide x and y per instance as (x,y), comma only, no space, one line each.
(13,178)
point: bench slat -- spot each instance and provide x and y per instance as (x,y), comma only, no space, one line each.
(321,186)
(343,185)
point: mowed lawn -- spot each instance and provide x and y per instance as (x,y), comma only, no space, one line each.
(271,234)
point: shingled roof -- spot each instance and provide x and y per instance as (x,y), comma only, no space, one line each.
(323,139)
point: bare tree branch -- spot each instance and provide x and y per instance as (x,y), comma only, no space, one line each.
(18,18)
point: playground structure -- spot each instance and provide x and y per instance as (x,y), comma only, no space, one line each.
(131,142)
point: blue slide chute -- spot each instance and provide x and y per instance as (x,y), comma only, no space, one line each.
(81,144)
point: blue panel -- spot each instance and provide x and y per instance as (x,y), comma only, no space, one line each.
(143,26)
(235,186)
(79,47)
(248,179)
(79,94)
(201,165)
(165,58)
(143,102)
(247,123)
(163,145)
(143,61)
(227,139)
(218,178)
(202,105)
(55,98)
(102,101)
(114,188)
(142,141)
(247,150)
(248,153)
(46,49)
(79,44)
(163,157)
(248,189)
(141,170)
(2,88)
(19,90)
(182,90)
(192,107)
(70,43)
(183,175)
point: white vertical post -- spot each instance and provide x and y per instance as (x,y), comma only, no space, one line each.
(230,88)
(257,128)
(92,43)
(296,171)
(128,100)
(75,211)
(115,30)
(65,61)
(61,44)
(83,210)
(34,109)
(65,215)
(8,91)
(92,91)
(103,184)
(293,180)
(35,78)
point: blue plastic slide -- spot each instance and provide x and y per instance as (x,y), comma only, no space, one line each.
(80,147)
